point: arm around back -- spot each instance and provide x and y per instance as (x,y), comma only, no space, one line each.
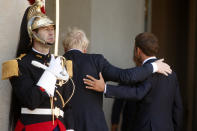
(133,92)
(125,76)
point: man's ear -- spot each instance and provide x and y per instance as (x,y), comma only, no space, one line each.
(84,50)
(65,49)
(138,51)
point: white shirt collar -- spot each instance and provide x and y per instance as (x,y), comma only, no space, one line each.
(153,57)
(75,49)
(38,51)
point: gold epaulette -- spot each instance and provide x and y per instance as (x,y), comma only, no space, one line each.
(21,56)
(69,67)
(10,68)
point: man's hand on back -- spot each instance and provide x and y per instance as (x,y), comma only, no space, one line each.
(94,84)
(162,67)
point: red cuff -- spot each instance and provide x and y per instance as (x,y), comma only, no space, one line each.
(42,89)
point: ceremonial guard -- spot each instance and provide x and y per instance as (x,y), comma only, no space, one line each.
(41,84)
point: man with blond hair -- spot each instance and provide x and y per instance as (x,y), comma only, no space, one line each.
(87,104)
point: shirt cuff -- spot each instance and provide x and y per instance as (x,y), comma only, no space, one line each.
(105,88)
(155,68)
(70,130)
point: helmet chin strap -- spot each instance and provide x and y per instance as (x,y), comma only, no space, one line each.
(37,38)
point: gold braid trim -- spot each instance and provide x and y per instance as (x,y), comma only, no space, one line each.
(71,94)
(64,103)
(60,97)
(52,109)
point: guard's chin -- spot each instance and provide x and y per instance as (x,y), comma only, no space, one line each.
(50,44)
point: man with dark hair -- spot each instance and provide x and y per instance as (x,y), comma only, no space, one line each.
(161,109)
(148,44)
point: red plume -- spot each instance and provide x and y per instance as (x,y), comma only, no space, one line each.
(31,2)
(43,10)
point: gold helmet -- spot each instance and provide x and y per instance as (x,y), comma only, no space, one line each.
(36,19)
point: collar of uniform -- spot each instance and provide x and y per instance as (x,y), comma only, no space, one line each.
(39,55)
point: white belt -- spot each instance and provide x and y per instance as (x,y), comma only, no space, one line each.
(42,111)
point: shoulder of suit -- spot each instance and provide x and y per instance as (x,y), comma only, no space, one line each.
(173,75)
(10,68)
(96,55)
(170,77)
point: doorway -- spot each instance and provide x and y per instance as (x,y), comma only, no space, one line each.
(175,25)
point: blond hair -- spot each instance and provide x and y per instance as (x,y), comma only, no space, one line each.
(75,39)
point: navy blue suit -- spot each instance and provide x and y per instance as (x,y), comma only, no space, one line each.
(128,109)
(87,104)
(161,109)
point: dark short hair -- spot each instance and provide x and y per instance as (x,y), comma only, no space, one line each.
(148,43)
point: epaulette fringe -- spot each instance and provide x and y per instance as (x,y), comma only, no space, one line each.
(69,67)
(10,68)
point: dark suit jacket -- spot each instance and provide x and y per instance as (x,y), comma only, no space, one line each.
(128,110)
(161,109)
(87,104)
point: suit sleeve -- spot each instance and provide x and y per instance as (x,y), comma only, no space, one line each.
(125,76)
(30,95)
(68,114)
(132,92)
(177,109)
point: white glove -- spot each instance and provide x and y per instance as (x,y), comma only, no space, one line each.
(56,68)
(50,75)
(61,75)
(47,81)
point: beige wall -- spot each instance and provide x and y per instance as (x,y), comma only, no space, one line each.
(11,13)
(114,24)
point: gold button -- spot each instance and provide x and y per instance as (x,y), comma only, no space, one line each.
(55,99)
